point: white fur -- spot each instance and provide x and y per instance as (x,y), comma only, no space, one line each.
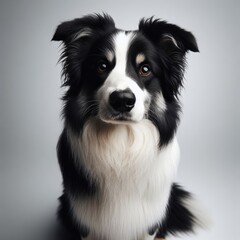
(134,178)
(119,80)
(201,217)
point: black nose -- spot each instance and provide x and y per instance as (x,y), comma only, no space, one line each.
(122,101)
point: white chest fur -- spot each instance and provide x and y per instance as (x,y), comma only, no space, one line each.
(133,174)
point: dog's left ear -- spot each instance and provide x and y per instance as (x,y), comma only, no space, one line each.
(173,42)
(168,36)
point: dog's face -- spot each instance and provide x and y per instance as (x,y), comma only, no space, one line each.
(123,76)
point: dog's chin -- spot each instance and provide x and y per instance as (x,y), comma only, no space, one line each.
(119,118)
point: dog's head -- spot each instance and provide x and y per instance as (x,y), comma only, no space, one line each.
(123,76)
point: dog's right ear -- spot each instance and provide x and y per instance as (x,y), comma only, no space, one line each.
(66,30)
(83,27)
(77,36)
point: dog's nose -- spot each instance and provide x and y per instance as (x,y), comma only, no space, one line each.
(122,101)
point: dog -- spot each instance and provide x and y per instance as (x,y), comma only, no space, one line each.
(118,151)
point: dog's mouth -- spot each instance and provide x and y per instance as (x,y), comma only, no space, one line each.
(115,117)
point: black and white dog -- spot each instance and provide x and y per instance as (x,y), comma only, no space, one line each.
(118,151)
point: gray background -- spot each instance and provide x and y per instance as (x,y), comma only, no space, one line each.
(30,107)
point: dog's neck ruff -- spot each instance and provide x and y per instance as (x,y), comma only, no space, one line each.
(130,169)
(116,150)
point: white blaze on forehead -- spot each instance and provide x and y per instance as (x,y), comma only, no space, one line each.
(122,42)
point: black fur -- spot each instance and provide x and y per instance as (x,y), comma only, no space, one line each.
(75,179)
(73,230)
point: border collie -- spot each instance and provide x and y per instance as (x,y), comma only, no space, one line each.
(118,151)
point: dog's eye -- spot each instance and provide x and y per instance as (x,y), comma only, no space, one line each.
(102,67)
(145,70)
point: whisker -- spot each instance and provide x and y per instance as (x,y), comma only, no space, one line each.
(90,108)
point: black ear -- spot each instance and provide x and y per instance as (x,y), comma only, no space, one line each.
(77,36)
(82,27)
(169,36)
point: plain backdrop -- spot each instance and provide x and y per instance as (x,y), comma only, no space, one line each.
(30,108)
